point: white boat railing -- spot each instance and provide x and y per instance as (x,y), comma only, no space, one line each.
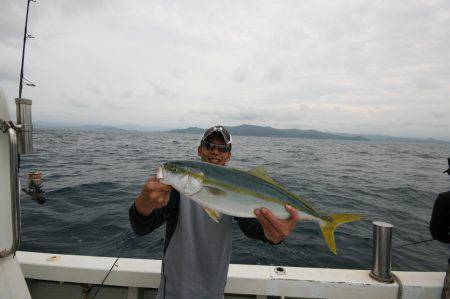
(8,128)
(260,281)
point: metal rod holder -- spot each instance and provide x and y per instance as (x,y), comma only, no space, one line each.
(382,244)
(24,126)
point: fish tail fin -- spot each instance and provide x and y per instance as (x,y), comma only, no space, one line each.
(328,227)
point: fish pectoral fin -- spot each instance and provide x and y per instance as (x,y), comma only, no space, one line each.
(194,182)
(215,191)
(214,215)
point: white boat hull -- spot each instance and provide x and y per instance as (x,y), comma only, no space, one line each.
(12,282)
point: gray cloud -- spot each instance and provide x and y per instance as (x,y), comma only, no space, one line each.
(11,34)
(162,90)
(78,103)
(128,94)
(178,72)
(239,75)
(95,90)
(8,75)
(368,67)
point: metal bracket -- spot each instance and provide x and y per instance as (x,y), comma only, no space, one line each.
(9,128)
(5,125)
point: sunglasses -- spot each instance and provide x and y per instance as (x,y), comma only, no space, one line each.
(220,147)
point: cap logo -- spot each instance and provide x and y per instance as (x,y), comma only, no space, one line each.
(225,134)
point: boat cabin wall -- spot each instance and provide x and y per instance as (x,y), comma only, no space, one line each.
(6,228)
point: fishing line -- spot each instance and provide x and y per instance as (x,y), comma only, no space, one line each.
(413,243)
(120,254)
(405,244)
(366,220)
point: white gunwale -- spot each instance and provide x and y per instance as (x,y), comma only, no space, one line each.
(242,279)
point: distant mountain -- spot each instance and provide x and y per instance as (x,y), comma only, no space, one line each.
(404,139)
(252,130)
(399,139)
(43,125)
(98,128)
(246,130)
(191,130)
(131,127)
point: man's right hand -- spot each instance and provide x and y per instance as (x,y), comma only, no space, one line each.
(154,195)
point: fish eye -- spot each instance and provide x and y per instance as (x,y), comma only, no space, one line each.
(174,169)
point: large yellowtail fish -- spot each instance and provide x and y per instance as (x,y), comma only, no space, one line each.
(238,193)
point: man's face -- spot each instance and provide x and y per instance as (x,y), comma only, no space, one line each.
(213,155)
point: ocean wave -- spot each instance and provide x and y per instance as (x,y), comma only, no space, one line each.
(91,183)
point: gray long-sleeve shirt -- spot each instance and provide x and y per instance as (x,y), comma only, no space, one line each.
(196,249)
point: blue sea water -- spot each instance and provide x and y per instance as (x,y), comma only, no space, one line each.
(92,178)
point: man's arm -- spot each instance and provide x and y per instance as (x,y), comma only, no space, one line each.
(267,227)
(275,229)
(440,218)
(251,228)
(143,225)
(151,209)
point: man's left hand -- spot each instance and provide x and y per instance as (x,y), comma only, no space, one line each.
(275,229)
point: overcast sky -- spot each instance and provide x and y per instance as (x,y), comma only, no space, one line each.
(370,67)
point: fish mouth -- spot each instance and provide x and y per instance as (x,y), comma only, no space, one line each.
(160,173)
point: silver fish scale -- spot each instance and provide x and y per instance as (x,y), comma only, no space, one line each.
(244,180)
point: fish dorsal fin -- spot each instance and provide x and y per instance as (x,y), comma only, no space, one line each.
(261,173)
(214,215)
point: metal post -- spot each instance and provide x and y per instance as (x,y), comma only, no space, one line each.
(382,244)
(24,126)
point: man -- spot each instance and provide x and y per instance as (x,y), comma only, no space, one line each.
(440,228)
(196,249)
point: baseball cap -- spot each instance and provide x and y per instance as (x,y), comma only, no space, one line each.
(220,129)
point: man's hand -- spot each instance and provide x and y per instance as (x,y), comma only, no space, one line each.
(275,229)
(154,195)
